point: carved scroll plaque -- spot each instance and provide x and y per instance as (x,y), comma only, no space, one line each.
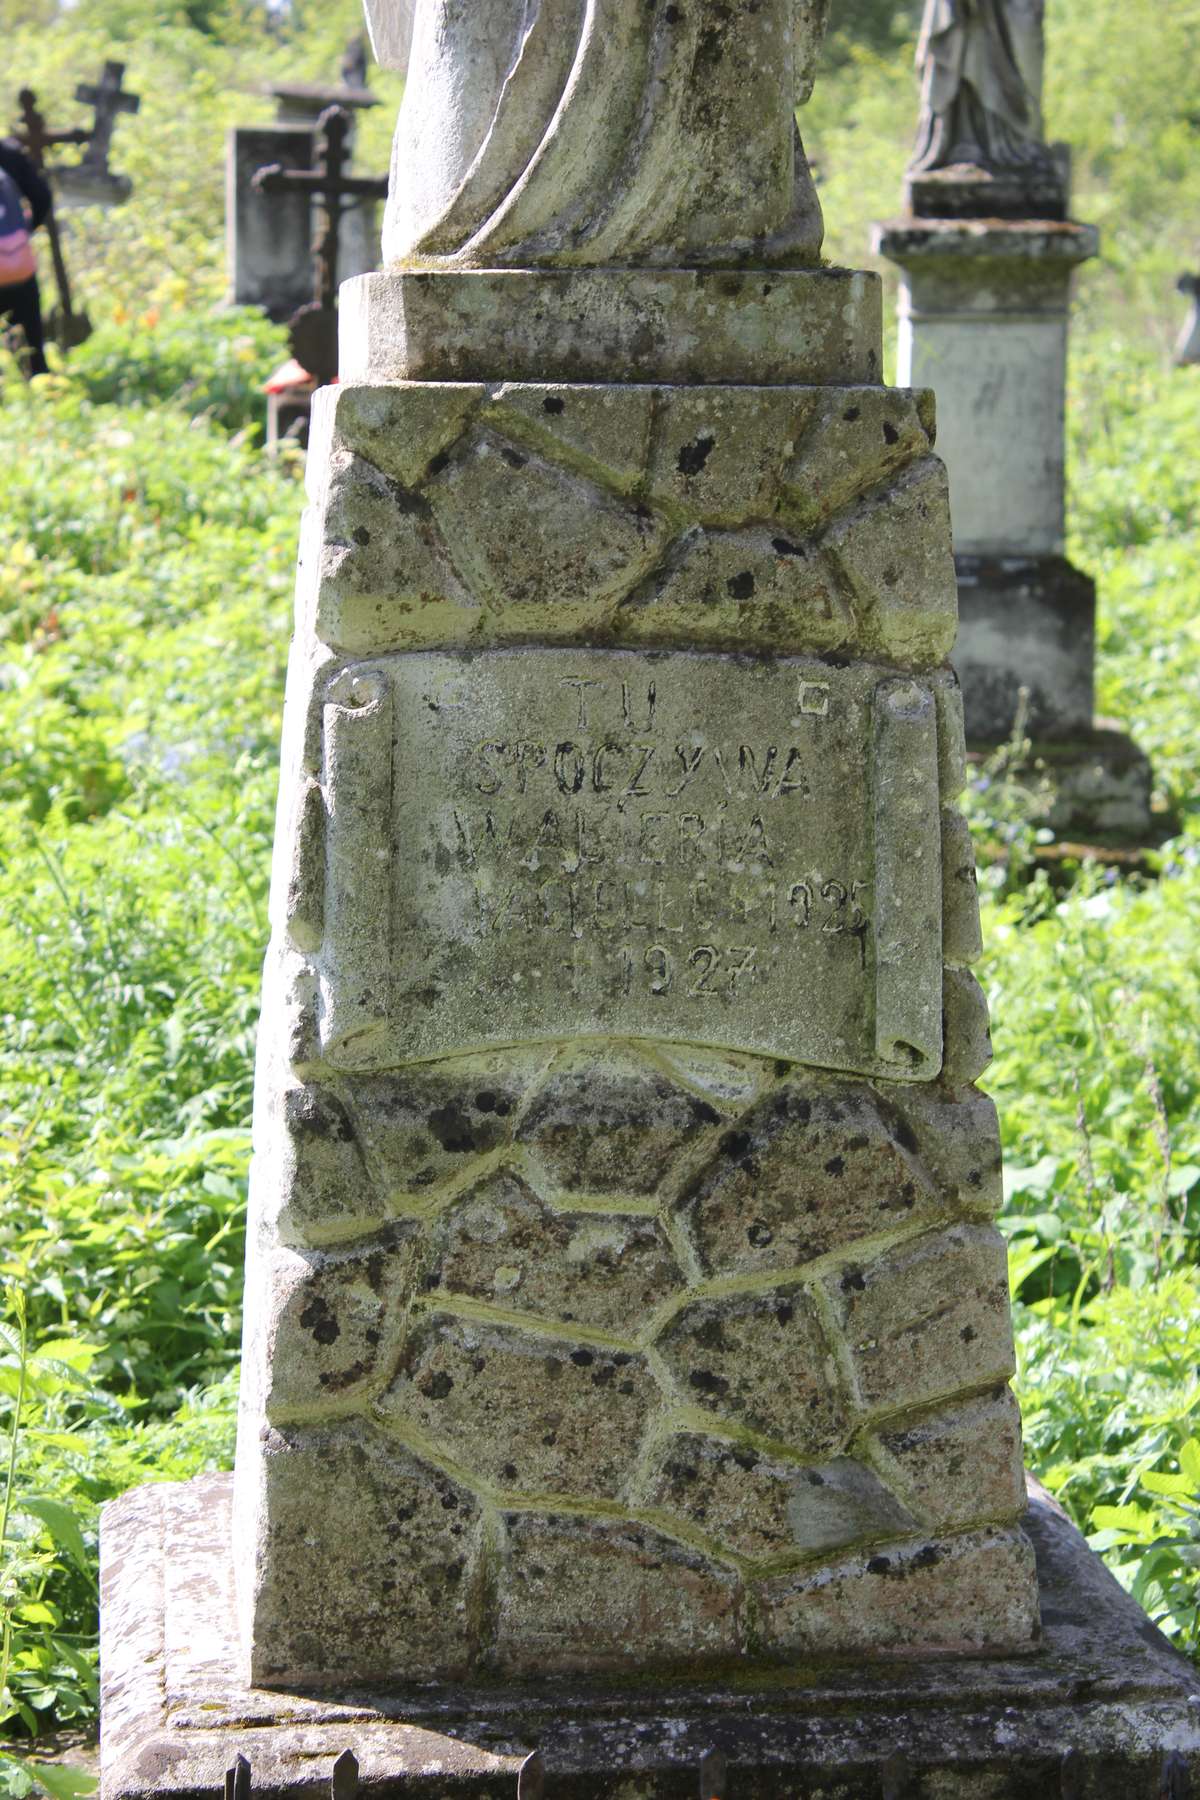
(569,843)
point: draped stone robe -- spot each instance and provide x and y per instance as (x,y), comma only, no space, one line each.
(599,131)
(981,65)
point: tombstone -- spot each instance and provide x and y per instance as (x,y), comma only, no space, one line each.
(627,1344)
(268,236)
(90,181)
(987,252)
(1187,347)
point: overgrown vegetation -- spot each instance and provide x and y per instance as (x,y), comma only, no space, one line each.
(146,555)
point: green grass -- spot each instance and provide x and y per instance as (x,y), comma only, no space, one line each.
(146,560)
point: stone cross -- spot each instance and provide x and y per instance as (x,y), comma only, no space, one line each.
(109,100)
(314,327)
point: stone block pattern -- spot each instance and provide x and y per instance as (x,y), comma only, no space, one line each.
(776,519)
(604,1355)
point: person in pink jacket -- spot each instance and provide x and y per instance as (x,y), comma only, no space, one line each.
(24,203)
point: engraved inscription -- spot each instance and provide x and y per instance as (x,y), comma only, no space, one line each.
(607,842)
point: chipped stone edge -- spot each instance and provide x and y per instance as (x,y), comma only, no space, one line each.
(1107,1687)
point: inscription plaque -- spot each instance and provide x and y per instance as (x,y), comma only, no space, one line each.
(701,848)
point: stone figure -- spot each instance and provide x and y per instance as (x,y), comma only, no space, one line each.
(980,63)
(593,131)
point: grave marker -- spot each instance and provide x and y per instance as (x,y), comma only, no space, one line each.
(268,236)
(330,188)
(987,254)
(627,1345)
(90,181)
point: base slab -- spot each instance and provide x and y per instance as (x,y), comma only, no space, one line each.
(1106,1709)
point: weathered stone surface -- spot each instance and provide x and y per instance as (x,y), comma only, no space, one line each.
(928,1318)
(755,587)
(634,325)
(725,1356)
(177,1710)
(601,431)
(585,848)
(499,1243)
(385,574)
(336,1322)
(962,942)
(960,1463)
(852,440)
(526,1413)
(723,516)
(640,161)
(613,1122)
(955,1132)
(718,455)
(572,1591)
(815,1166)
(906,601)
(964,1596)
(533,535)
(984,312)
(617,899)
(763,1509)
(428,1126)
(402,433)
(966,1029)
(321,1174)
(1026,645)
(409,1557)
(984,320)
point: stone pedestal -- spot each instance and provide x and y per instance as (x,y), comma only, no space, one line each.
(623,1207)
(627,1330)
(984,304)
(1106,1711)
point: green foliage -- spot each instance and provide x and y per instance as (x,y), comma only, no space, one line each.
(210,364)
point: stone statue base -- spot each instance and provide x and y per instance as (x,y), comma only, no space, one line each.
(1105,1709)
(984,304)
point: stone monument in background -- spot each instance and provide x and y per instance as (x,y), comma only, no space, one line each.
(627,1350)
(269,234)
(987,253)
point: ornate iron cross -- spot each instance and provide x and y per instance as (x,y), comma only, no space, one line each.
(314,327)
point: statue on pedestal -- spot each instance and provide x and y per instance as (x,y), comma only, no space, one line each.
(592,131)
(980,63)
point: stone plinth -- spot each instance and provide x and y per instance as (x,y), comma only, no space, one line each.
(983,320)
(623,1205)
(984,311)
(1107,1711)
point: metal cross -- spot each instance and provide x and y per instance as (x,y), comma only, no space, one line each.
(107,98)
(67,326)
(35,136)
(314,328)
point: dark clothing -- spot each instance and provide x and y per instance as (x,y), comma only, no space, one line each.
(23,303)
(29,179)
